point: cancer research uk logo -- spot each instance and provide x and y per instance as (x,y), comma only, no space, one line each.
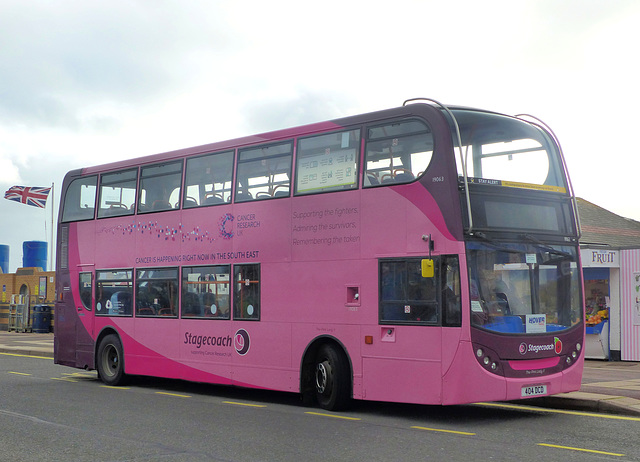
(556,346)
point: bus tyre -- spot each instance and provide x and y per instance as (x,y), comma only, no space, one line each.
(331,379)
(110,362)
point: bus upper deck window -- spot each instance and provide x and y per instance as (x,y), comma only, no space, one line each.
(118,193)
(328,162)
(397,153)
(208,180)
(160,187)
(80,199)
(264,172)
(498,147)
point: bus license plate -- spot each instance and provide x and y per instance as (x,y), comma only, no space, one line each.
(535,390)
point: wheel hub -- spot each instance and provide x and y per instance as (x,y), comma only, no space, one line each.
(323,372)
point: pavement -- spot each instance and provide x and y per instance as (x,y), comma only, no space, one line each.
(611,387)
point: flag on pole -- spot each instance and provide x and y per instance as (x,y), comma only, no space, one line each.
(35,196)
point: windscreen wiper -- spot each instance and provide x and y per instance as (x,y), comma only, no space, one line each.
(542,246)
(496,245)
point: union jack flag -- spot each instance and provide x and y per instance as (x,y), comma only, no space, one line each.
(33,195)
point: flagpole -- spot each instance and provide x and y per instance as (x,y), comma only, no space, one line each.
(53,203)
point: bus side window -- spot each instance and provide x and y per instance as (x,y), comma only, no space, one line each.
(118,193)
(85,285)
(205,292)
(327,162)
(114,292)
(406,297)
(264,172)
(160,187)
(208,180)
(246,292)
(397,153)
(157,292)
(451,302)
(80,199)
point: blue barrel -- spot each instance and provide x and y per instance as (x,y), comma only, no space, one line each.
(34,254)
(4,258)
(41,319)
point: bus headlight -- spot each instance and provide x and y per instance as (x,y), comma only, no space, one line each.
(486,358)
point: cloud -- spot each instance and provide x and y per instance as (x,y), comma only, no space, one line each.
(9,174)
(303,107)
(61,58)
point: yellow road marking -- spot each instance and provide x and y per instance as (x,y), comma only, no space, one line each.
(114,388)
(332,415)
(561,411)
(581,450)
(79,374)
(26,356)
(445,431)
(172,394)
(17,373)
(244,404)
(64,379)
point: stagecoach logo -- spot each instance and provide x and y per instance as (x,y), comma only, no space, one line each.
(203,343)
(555,346)
(523,348)
(241,342)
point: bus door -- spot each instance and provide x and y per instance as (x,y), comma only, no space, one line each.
(66,317)
(85,318)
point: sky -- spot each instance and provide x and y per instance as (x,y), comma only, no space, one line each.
(89,82)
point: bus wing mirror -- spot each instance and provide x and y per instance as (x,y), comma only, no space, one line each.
(427,268)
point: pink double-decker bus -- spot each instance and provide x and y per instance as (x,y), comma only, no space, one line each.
(423,254)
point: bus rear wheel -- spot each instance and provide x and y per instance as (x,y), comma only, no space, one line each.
(110,362)
(331,379)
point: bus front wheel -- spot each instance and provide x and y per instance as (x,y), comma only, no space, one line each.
(331,379)
(111,361)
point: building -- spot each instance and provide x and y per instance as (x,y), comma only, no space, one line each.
(610,251)
(21,291)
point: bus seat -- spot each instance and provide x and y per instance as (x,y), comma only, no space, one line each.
(210,200)
(243,196)
(404,177)
(191,305)
(160,205)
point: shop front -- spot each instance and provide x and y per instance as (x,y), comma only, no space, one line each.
(601,271)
